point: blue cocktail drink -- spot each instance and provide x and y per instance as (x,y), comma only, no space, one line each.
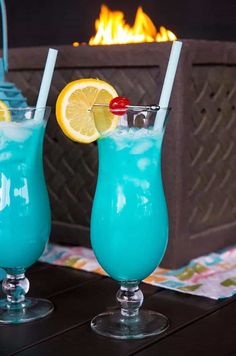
(25,219)
(24,205)
(129,224)
(129,220)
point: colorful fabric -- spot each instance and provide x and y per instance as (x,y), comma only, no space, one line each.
(212,276)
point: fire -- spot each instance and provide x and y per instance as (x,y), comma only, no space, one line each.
(112,29)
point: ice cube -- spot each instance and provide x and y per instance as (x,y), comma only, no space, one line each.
(121,201)
(143,163)
(141,146)
(16,133)
(5,184)
(2,142)
(121,144)
(5,156)
(142,183)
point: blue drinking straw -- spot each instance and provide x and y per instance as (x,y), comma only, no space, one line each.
(46,82)
(168,84)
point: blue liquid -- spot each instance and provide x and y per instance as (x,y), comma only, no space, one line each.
(129,225)
(24,205)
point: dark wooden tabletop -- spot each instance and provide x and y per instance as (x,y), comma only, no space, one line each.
(199,326)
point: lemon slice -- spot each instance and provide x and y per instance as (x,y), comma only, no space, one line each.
(4,112)
(76,114)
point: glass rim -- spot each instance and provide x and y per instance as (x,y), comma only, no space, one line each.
(27,108)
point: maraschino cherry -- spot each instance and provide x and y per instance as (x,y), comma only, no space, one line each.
(118,105)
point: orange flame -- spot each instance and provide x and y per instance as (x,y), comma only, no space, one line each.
(112,29)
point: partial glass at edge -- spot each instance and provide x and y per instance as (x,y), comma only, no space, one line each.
(129,223)
(25,218)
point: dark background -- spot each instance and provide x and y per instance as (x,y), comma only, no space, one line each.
(53,22)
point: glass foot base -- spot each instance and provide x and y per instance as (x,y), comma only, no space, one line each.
(29,310)
(113,324)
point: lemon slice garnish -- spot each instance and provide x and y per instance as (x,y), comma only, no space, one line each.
(77,116)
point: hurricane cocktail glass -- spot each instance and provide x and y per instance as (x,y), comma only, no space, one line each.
(129,223)
(25,219)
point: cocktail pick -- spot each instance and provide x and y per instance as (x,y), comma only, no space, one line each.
(9,93)
(119,106)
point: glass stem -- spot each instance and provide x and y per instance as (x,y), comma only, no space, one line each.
(130,298)
(15,285)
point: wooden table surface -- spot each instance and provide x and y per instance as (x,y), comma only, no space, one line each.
(199,326)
